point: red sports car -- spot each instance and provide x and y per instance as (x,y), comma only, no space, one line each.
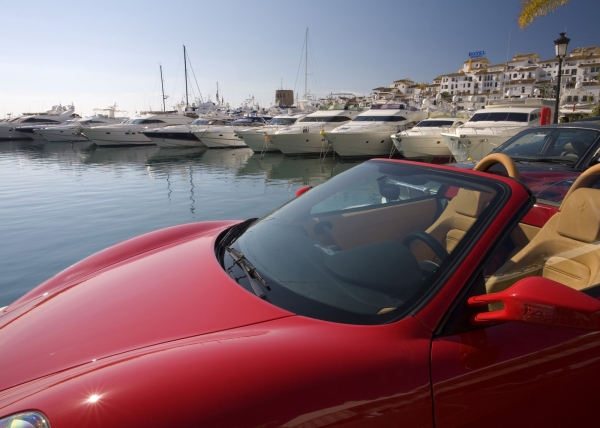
(395,294)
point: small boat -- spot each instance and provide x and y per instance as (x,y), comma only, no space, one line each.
(488,128)
(256,137)
(183,135)
(23,127)
(369,133)
(223,136)
(307,135)
(424,141)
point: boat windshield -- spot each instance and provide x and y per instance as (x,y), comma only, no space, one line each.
(434,123)
(379,119)
(347,251)
(202,122)
(500,116)
(282,121)
(325,119)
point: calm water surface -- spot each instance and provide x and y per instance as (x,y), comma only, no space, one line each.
(61,202)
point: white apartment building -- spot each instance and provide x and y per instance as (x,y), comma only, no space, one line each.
(525,75)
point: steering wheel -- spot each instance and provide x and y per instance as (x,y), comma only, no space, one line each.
(324,228)
(569,152)
(429,240)
(494,158)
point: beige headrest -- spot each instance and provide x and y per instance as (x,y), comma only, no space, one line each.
(580,215)
(470,202)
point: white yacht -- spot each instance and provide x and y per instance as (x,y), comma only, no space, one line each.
(130,133)
(223,136)
(424,141)
(307,135)
(23,127)
(183,135)
(256,137)
(488,128)
(70,130)
(369,133)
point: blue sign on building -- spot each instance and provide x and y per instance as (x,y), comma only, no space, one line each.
(478,54)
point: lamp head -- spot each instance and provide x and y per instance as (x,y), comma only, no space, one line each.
(561,45)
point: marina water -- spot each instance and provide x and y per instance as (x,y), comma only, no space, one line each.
(61,202)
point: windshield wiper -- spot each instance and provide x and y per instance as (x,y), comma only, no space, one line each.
(250,272)
(233,233)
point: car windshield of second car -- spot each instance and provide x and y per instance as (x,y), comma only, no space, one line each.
(563,145)
(364,247)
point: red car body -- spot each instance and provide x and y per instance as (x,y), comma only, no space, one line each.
(154,332)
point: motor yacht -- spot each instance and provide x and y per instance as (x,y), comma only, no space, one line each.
(307,135)
(71,130)
(369,133)
(223,136)
(131,132)
(23,127)
(488,128)
(183,135)
(424,141)
(256,137)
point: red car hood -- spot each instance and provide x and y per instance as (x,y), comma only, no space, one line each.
(156,288)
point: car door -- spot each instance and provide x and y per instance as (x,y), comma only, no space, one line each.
(512,373)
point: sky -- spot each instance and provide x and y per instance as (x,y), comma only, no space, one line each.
(96,54)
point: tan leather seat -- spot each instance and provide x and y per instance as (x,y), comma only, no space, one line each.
(458,216)
(454,222)
(566,250)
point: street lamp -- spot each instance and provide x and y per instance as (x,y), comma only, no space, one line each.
(561,45)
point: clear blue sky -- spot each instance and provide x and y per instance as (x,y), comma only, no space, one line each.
(97,53)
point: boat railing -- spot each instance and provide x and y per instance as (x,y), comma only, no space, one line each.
(521,102)
(487,130)
(432,130)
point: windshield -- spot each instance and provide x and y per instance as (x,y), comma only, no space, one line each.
(379,119)
(325,119)
(500,117)
(348,250)
(565,145)
(282,121)
(134,121)
(202,122)
(434,123)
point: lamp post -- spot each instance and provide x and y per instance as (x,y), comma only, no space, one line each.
(561,45)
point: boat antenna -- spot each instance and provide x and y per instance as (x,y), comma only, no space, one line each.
(162,85)
(306,66)
(508,48)
(217,92)
(186,79)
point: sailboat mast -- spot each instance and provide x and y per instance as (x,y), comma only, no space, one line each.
(162,85)
(186,79)
(306,66)
(217,92)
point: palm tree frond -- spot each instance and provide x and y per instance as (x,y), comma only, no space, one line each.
(531,9)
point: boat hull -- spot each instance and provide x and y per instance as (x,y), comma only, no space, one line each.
(61,135)
(357,144)
(258,142)
(472,147)
(117,137)
(179,139)
(424,148)
(301,144)
(219,139)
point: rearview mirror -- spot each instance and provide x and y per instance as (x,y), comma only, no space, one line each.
(537,300)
